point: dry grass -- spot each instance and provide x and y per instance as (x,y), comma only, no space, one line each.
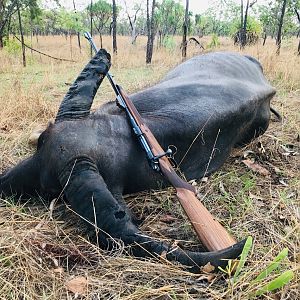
(40,254)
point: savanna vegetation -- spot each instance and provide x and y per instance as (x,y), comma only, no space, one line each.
(44,252)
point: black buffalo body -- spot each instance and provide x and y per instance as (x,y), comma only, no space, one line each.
(205,107)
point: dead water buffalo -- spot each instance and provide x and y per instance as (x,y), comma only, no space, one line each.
(223,99)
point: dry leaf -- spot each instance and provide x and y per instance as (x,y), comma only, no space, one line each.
(40,224)
(51,208)
(4,128)
(167,219)
(261,147)
(222,189)
(59,270)
(204,179)
(256,197)
(208,268)
(283,182)
(256,167)
(165,288)
(193,182)
(247,153)
(163,255)
(77,285)
(55,262)
(207,277)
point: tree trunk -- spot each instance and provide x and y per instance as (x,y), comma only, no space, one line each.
(150,30)
(91,25)
(21,33)
(100,35)
(78,39)
(242,23)
(278,40)
(114,27)
(78,33)
(2,6)
(298,34)
(133,35)
(148,54)
(71,47)
(31,38)
(8,27)
(244,28)
(185,29)
(37,37)
(265,38)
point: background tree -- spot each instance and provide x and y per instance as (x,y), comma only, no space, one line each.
(114,27)
(185,29)
(76,21)
(150,30)
(21,33)
(68,23)
(101,13)
(280,24)
(132,19)
(218,19)
(244,17)
(6,10)
(298,34)
(10,7)
(169,18)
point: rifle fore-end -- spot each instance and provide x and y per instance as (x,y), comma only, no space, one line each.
(210,232)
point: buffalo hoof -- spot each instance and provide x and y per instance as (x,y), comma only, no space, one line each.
(143,246)
(195,260)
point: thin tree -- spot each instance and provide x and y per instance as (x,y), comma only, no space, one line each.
(3,21)
(21,33)
(185,29)
(169,18)
(102,13)
(91,24)
(6,10)
(132,21)
(150,31)
(114,27)
(76,20)
(244,19)
(280,24)
(298,17)
(244,27)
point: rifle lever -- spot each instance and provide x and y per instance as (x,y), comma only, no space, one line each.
(169,154)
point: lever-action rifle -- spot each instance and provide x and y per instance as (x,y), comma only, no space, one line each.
(210,232)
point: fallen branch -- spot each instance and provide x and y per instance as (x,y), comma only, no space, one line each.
(196,42)
(57,58)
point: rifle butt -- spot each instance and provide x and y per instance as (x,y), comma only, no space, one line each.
(211,233)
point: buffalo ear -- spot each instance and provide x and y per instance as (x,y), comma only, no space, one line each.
(38,132)
(23,180)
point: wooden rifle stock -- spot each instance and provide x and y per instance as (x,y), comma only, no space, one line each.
(210,232)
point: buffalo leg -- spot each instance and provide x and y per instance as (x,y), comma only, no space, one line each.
(88,195)
(23,180)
